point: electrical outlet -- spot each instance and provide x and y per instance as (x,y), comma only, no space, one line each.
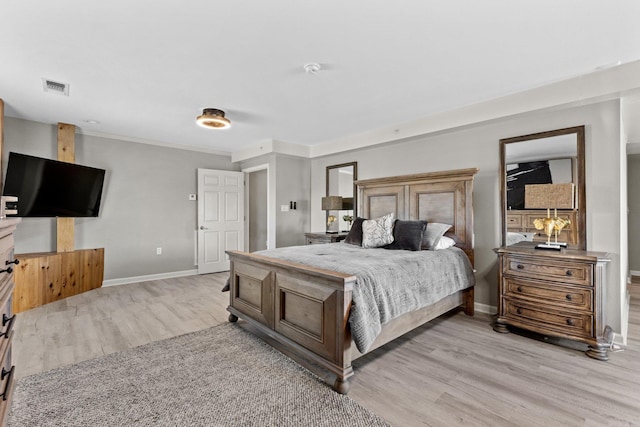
(158,251)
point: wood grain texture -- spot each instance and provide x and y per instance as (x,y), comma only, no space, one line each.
(42,278)
(452,371)
(65,231)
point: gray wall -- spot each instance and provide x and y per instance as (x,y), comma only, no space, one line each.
(477,146)
(144,203)
(633,174)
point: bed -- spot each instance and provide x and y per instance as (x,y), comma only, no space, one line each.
(304,310)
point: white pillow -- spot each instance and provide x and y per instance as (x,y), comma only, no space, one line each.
(377,232)
(433,233)
(445,242)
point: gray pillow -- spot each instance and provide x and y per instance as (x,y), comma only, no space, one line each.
(433,233)
(407,235)
(377,232)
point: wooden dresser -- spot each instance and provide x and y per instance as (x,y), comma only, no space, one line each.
(7,265)
(554,293)
(522,221)
(313,238)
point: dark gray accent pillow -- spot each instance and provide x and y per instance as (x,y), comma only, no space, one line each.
(355,234)
(407,235)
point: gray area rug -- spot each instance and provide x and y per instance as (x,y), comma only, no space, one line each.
(222,376)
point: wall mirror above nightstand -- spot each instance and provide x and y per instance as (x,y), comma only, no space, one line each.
(552,157)
(341,182)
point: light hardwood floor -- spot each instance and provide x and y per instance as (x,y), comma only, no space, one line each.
(452,371)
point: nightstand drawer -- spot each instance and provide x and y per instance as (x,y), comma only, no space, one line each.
(565,272)
(559,295)
(545,320)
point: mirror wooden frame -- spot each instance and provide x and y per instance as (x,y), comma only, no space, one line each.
(579,131)
(355,178)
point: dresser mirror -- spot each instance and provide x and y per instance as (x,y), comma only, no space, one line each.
(341,182)
(553,157)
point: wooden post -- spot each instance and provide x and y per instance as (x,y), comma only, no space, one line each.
(66,152)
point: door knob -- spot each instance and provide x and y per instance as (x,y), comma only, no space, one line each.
(202,227)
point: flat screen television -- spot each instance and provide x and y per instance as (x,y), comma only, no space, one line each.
(50,188)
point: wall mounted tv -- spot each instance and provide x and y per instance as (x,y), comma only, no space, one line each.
(49,188)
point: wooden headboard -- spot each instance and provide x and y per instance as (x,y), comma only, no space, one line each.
(444,197)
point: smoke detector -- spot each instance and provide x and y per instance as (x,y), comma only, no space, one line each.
(55,87)
(312,68)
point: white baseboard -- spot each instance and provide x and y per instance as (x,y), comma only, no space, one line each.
(634,273)
(148,277)
(485,308)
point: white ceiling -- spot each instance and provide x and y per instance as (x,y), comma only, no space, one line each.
(145,69)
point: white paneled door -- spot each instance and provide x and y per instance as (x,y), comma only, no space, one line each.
(220,218)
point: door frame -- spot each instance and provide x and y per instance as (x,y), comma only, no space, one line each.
(270,217)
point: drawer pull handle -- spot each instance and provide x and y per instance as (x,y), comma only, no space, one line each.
(520,267)
(518,311)
(519,289)
(6,320)
(7,270)
(15,261)
(7,384)
(569,297)
(569,273)
(570,322)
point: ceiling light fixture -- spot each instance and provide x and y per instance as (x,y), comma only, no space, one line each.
(212,118)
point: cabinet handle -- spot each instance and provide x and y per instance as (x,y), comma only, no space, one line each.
(570,322)
(6,320)
(569,297)
(519,289)
(15,261)
(520,267)
(8,270)
(518,311)
(569,273)
(7,385)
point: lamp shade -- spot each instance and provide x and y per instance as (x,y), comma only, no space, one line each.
(347,203)
(554,196)
(332,203)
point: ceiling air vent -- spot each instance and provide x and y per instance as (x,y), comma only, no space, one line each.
(55,87)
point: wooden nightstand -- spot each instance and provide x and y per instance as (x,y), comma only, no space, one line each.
(554,293)
(313,238)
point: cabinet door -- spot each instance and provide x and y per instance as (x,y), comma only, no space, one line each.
(252,292)
(308,314)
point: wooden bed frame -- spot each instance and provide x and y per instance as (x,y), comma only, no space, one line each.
(304,311)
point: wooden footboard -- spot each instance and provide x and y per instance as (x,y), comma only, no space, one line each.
(304,311)
(301,310)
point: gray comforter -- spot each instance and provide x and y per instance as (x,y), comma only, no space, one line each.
(389,282)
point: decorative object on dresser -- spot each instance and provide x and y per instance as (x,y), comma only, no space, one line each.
(7,265)
(560,294)
(314,238)
(305,308)
(550,196)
